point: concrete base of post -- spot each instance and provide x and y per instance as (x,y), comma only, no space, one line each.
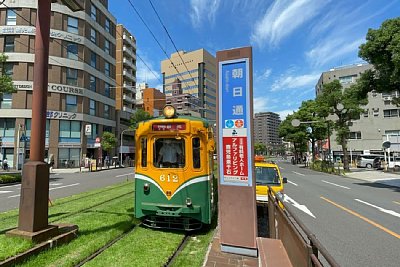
(49,232)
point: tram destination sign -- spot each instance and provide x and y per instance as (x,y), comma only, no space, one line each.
(235,132)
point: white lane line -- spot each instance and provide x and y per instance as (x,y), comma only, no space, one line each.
(131,173)
(303,208)
(5,192)
(56,184)
(10,186)
(299,173)
(64,186)
(290,182)
(335,184)
(391,212)
(54,188)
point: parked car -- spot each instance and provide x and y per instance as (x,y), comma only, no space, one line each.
(366,161)
(394,164)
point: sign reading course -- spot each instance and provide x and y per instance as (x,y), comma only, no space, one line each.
(234,110)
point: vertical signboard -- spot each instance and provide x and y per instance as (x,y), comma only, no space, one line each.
(235,122)
(237,199)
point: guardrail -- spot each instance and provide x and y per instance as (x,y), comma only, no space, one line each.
(286,226)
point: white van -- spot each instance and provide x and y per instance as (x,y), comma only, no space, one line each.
(366,161)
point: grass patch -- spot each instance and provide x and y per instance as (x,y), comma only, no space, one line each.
(142,247)
(10,178)
(97,225)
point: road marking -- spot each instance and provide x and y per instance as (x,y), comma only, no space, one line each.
(303,208)
(10,186)
(398,203)
(64,186)
(290,182)
(55,183)
(391,212)
(13,196)
(299,173)
(131,173)
(335,184)
(363,218)
(5,192)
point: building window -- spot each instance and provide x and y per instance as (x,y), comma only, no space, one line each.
(92,84)
(11,17)
(107,91)
(107,46)
(93,35)
(71,103)
(93,59)
(93,12)
(6,101)
(9,69)
(72,25)
(107,69)
(355,135)
(7,128)
(72,77)
(390,113)
(95,132)
(92,107)
(70,130)
(376,112)
(347,79)
(72,51)
(68,157)
(9,43)
(28,128)
(107,25)
(106,111)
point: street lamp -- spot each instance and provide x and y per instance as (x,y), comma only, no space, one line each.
(120,148)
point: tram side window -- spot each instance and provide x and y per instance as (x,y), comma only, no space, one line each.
(143,144)
(196,152)
(169,153)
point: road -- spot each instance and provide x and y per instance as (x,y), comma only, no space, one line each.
(357,221)
(67,184)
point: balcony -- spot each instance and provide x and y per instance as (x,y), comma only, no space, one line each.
(129,40)
(129,63)
(128,74)
(129,51)
(129,99)
(126,109)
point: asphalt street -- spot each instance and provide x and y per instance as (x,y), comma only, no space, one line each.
(357,221)
(67,184)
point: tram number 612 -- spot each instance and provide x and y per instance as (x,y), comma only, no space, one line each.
(169,178)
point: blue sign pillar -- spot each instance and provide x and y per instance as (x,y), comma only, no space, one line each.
(237,190)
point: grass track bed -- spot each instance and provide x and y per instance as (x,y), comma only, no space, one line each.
(96,226)
(142,247)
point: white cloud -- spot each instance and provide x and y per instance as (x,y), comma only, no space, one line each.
(330,49)
(282,18)
(201,9)
(147,73)
(283,113)
(265,75)
(259,104)
(292,82)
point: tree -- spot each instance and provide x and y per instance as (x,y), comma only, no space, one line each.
(6,83)
(345,105)
(108,141)
(382,50)
(260,148)
(138,116)
(295,135)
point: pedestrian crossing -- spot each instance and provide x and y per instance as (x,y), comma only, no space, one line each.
(13,191)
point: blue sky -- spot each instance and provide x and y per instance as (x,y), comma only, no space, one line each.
(293,40)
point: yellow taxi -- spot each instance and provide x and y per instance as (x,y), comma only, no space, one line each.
(267,174)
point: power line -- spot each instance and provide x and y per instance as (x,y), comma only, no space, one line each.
(154,37)
(172,41)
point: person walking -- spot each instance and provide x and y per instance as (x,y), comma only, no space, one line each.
(5,164)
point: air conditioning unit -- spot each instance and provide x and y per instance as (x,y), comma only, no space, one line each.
(387,98)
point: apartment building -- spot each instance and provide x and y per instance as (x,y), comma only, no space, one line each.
(125,91)
(266,126)
(196,72)
(379,122)
(81,102)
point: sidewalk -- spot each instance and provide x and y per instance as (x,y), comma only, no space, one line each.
(375,176)
(83,169)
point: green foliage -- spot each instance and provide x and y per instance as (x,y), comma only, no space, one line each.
(6,83)
(138,116)
(382,50)
(10,178)
(260,148)
(296,135)
(108,141)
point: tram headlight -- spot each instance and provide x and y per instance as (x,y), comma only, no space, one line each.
(146,187)
(169,111)
(188,201)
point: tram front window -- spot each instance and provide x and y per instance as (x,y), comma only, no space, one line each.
(169,153)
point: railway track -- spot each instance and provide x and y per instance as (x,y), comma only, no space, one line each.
(177,251)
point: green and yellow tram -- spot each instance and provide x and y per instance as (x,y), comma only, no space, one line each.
(174,172)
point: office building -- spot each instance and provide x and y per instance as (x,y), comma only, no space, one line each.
(80,104)
(196,73)
(378,123)
(266,126)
